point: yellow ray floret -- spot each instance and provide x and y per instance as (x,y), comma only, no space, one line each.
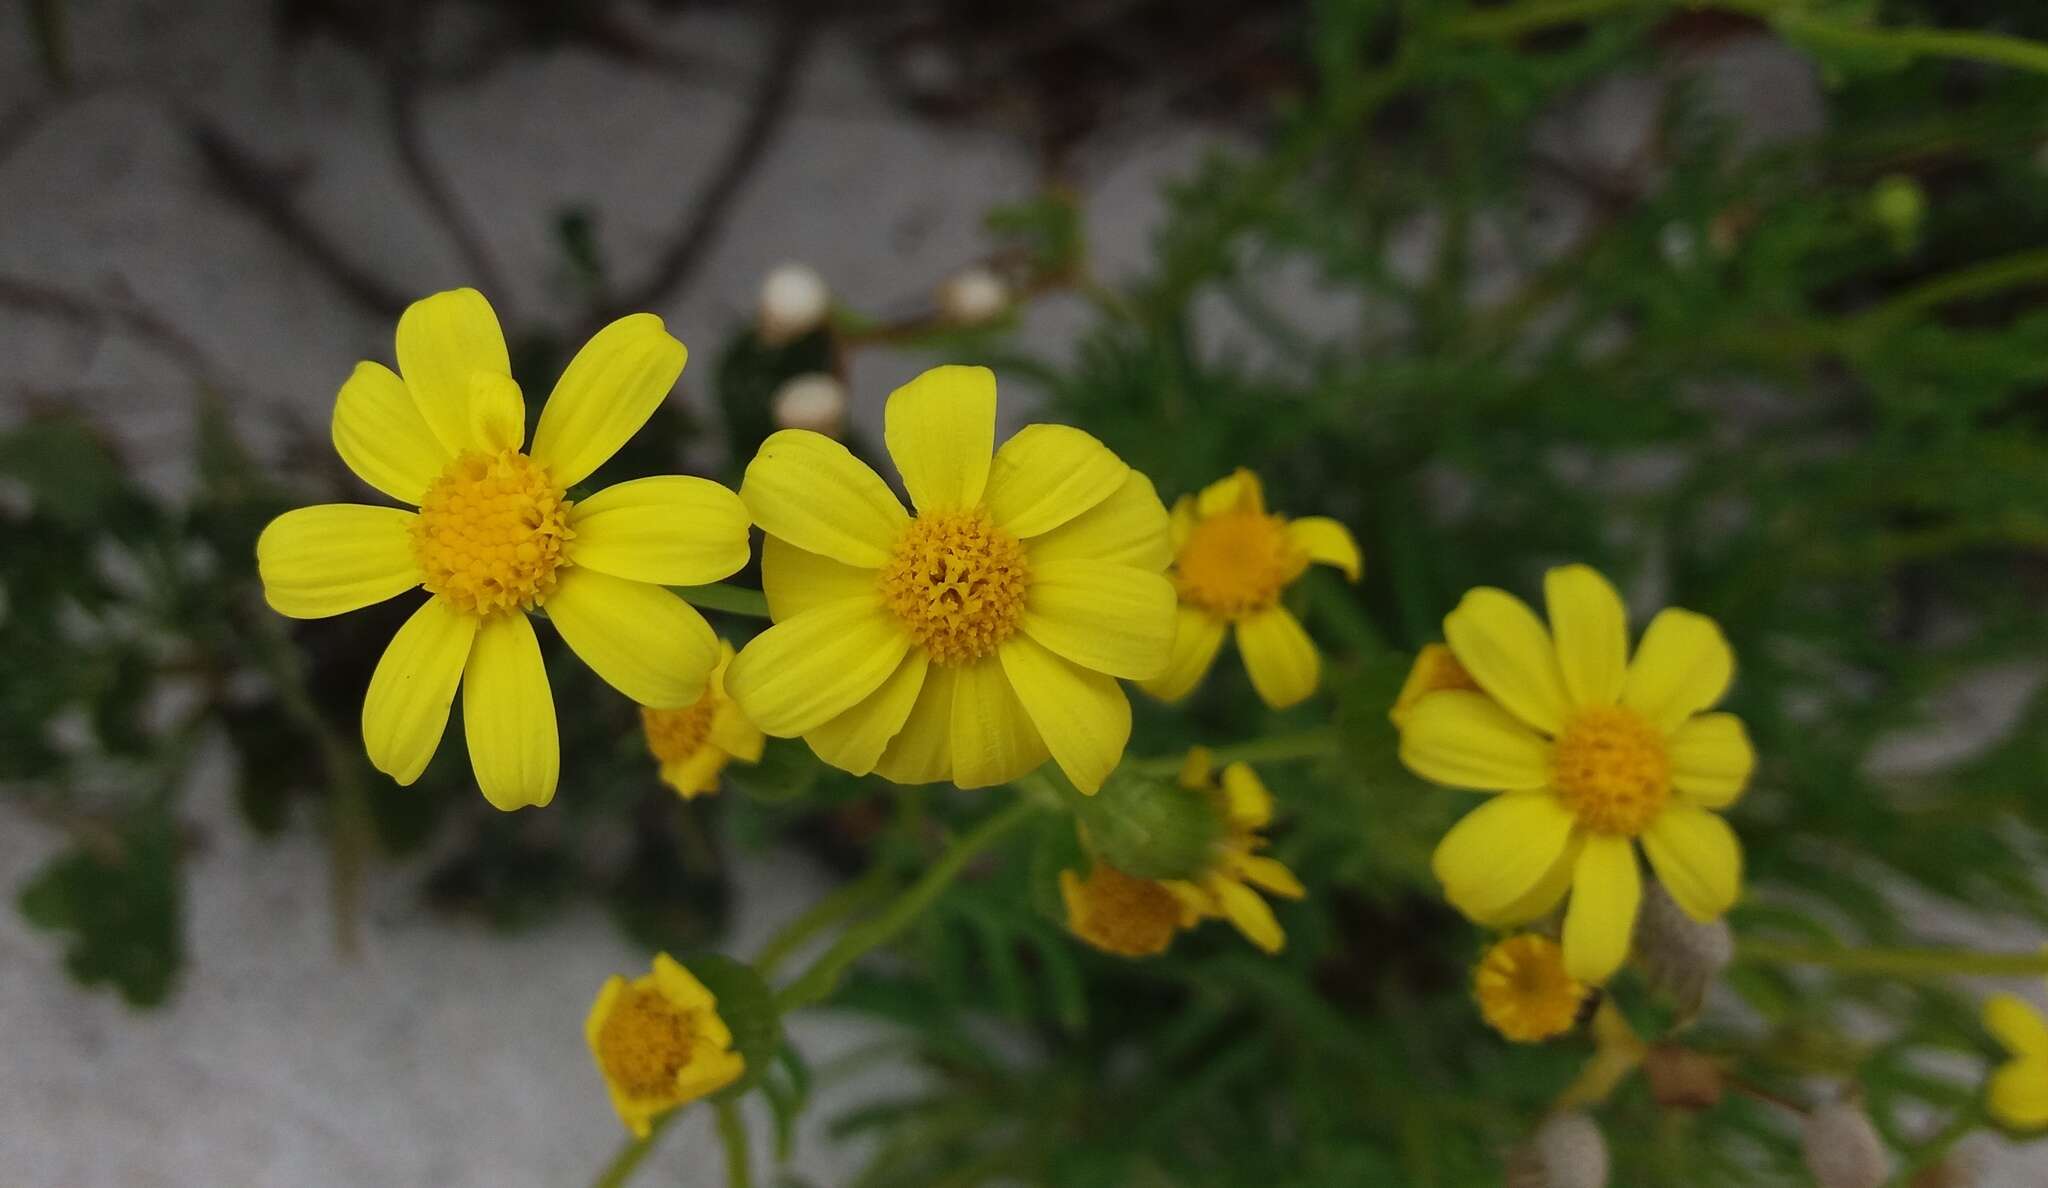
(496,536)
(693,744)
(973,639)
(2018,1093)
(659,1042)
(1232,561)
(1590,752)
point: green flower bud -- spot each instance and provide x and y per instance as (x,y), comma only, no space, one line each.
(1151,827)
(1899,205)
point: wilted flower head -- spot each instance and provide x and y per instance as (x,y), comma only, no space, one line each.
(794,302)
(1567,1151)
(814,401)
(1842,1147)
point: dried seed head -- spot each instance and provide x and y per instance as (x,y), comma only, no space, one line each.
(813,401)
(794,301)
(1843,1149)
(973,296)
(1679,955)
(1682,1079)
(1567,1151)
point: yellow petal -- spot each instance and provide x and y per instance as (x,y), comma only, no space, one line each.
(335,557)
(1268,874)
(1239,490)
(1083,716)
(941,430)
(1326,542)
(1180,524)
(2018,1094)
(1545,895)
(994,740)
(1697,859)
(796,581)
(696,775)
(1128,528)
(1250,804)
(379,432)
(1111,618)
(600,1009)
(1047,475)
(681,987)
(804,671)
(2017,1025)
(922,752)
(1197,769)
(854,741)
(1606,890)
(644,641)
(497,412)
(1501,851)
(1503,645)
(1591,628)
(1197,635)
(1465,740)
(734,734)
(1682,666)
(1711,760)
(1280,657)
(671,530)
(1249,914)
(406,709)
(444,340)
(605,394)
(508,715)
(810,491)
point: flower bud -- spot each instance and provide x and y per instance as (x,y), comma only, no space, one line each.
(1842,1148)
(813,401)
(1567,1151)
(1679,955)
(1150,827)
(1899,205)
(794,302)
(973,296)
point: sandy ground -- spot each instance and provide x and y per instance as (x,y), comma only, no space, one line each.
(445,1055)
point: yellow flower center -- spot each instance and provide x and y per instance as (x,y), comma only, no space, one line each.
(676,734)
(490,532)
(644,1042)
(1524,992)
(1120,914)
(957,581)
(1236,564)
(1612,769)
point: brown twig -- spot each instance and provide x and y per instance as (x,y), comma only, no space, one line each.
(265,190)
(42,300)
(794,37)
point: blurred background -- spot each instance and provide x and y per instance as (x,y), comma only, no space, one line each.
(1643,291)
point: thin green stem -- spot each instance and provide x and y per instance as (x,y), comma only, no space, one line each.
(631,1152)
(1514,20)
(848,900)
(1997,48)
(1899,963)
(1319,743)
(819,981)
(732,1132)
(733,600)
(1979,280)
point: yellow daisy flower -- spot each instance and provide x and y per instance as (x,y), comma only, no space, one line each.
(1591,752)
(658,1041)
(970,641)
(1232,561)
(693,744)
(2018,1094)
(1524,992)
(1120,913)
(496,536)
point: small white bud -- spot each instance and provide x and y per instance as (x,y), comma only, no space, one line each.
(1843,1149)
(974,296)
(813,401)
(1567,1151)
(1679,955)
(794,302)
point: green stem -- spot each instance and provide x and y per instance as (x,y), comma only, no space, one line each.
(1899,963)
(733,600)
(1319,743)
(631,1152)
(845,901)
(1516,19)
(732,1131)
(819,981)
(1976,281)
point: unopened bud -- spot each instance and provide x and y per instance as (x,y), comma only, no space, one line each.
(1899,205)
(1842,1148)
(1679,955)
(1151,827)
(972,297)
(813,401)
(1682,1079)
(794,302)
(1567,1151)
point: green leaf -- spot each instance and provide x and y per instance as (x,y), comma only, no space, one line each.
(118,898)
(748,1008)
